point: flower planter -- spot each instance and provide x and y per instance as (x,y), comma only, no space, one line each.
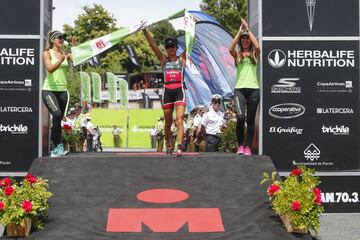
(19,230)
(2,229)
(286,219)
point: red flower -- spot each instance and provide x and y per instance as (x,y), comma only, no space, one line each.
(6,182)
(2,206)
(317,193)
(27,206)
(296,205)
(31,178)
(9,190)
(67,128)
(272,190)
(296,172)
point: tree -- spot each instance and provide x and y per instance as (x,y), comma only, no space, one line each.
(227,12)
(163,30)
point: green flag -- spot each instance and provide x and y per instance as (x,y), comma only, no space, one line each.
(124,96)
(189,22)
(96,87)
(111,79)
(85,87)
(87,50)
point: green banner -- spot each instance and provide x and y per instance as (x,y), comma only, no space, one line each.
(85,87)
(106,119)
(124,95)
(96,87)
(140,122)
(87,50)
(189,22)
(111,79)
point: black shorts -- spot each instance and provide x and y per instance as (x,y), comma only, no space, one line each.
(173,97)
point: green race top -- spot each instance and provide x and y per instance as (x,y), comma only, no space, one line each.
(56,81)
(246,74)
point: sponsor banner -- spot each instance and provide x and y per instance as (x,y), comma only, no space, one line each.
(311,104)
(96,87)
(87,50)
(20,17)
(310,18)
(340,193)
(139,126)
(85,87)
(19,103)
(123,92)
(112,87)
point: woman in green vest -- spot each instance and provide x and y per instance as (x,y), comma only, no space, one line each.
(247,89)
(54,91)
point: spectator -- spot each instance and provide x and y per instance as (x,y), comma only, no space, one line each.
(153,137)
(116,136)
(213,122)
(160,134)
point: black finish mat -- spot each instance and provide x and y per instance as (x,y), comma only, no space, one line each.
(86,186)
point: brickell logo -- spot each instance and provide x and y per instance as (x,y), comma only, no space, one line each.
(286,85)
(310,8)
(14,129)
(312,58)
(334,111)
(312,152)
(336,130)
(276,58)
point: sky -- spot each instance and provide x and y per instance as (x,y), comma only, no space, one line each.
(126,12)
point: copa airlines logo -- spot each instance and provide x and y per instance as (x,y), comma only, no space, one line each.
(312,58)
(310,8)
(336,130)
(14,129)
(286,110)
(334,111)
(312,152)
(11,109)
(286,85)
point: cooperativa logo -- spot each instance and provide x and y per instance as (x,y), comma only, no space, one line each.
(14,129)
(286,110)
(277,58)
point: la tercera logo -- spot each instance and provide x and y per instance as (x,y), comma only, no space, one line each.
(164,219)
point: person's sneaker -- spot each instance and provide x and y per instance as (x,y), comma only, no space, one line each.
(247,151)
(54,153)
(240,150)
(179,153)
(169,151)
